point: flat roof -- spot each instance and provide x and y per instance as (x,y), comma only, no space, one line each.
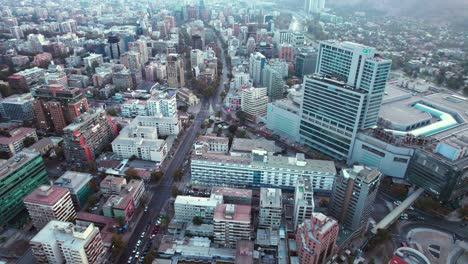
(247,145)
(233,192)
(200,201)
(63,231)
(46,195)
(16,135)
(270,197)
(16,161)
(73,180)
(240,213)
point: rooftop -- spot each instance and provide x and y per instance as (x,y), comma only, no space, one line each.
(16,161)
(73,180)
(199,201)
(46,195)
(247,145)
(16,135)
(363,172)
(73,236)
(225,191)
(270,197)
(232,212)
(41,143)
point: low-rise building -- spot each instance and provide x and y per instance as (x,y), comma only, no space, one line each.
(112,185)
(119,206)
(42,146)
(245,146)
(187,96)
(64,242)
(48,203)
(231,223)
(165,126)
(188,207)
(211,144)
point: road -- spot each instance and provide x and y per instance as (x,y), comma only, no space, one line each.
(163,191)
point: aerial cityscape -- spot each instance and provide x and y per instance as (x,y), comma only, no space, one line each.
(210,131)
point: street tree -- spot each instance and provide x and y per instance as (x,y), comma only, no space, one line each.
(197,220)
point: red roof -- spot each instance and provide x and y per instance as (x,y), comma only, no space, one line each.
(16,135)
(94,218)
(46,195)
(241,213)
(397,260)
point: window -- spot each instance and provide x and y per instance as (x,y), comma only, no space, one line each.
(402,160)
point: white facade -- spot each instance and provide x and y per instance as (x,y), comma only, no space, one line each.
(303,201)
(187,207)
(165,125)
(240,79)
(261,170)
(271,208)
(283,117)
(60,242)
(161,103)
(141,142)
(254,101)
(256,64)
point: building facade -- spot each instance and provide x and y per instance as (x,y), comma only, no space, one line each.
(271,208)
(20,175)
(48,203)
(79,184)
(342,98)
(254,102)
(303,201)
(316,239)
(231,223)
(188,207)
(353,196)
(64,242)
(87,137)
(175,71)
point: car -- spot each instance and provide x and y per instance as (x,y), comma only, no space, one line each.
(130,260)
(146,209)
(134,251)
(153,236)
(137,255)
(404,244)
(142,235)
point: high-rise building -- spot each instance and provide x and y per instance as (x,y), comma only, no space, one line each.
(316,239)
(48,203)
(256,65)
(314,6)
(342,97)
(175,71)
(286,52)
(92,61)
(64,242)
(231,223)
(17,108)
(353,196)
(140,46)
(56,106)
(20,175)
(254,102)
(271,208)
(305,62)
(25,80)
(274,83)
(303,201)
(87,137)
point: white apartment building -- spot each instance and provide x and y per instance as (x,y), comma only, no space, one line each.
(261,170)
(187,207)
(211,144)
(141,142)
(165,126)
(231,223)
(48,203)
(159,104)
(271,208)
(254,102)
(303,201)
(64,242)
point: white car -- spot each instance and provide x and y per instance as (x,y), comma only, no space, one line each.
(137,255)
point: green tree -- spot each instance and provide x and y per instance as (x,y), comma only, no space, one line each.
(92,201)
(131,173)
(178,174)
(156,175)
(175,191)
(149,257)
(197,220)
(6,90)
(120,220)
(232,128)
(241,115)
(29,141)
(112,111)
(118,244)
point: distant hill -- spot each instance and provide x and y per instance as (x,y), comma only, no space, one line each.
(436,10)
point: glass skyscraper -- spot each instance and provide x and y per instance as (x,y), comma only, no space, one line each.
(342,97)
